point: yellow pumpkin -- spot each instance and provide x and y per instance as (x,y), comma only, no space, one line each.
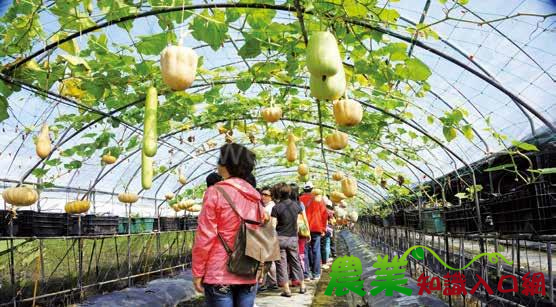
(347,112)
(169,196)
(323,54)
(337,140)
(20,196)
(337,176)
(349,187)
(328,88)
(77,206)
(108,159)
(303,169)
(337,197)
(291,151)
(178,65)
(44,145)
(128,198)
(272,114)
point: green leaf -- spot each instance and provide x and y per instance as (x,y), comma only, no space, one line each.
(75,60)
(73,165)
(260,18)
(430,119)
(468,132)
(70,47)
(354,8)
(499,167)
(449,133)
(154,44)
(53,162)
(251,49)
(461,195)
(3,108)
(244,84)
(525,146)
(417,70)
(211,29)
(389,15)
(39,172)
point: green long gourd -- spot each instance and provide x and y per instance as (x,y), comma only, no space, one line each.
(146,171)
(150,134)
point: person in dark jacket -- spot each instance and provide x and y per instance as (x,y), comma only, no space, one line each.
(286,213)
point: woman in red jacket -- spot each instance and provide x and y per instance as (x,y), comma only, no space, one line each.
(210,273)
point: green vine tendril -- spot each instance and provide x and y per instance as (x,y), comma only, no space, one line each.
(492,257)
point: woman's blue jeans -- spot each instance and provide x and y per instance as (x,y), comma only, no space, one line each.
(230,295)
(325,248)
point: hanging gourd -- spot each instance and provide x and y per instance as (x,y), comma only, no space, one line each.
(291,151)
(337,197)
(176,208)
(178,65)
(20,196)
(337,140)
(194,208)
(303,169)
(44,145)
(349,187)
(181,178)
(337,176)
(169,196)
(347,112)
(328,88)
(146,172)
(222,129)
(77,206)
(128,198)
(150,134)
(108,159)
(272,114)
(323,54)
(353,216)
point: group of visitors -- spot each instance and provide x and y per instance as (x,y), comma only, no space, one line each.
(303,225)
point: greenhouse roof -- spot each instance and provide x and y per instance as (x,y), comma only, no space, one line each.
(476,77)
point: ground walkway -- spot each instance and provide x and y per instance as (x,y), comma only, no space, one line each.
(178,290)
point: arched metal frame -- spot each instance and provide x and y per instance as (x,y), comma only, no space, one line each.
(300,11)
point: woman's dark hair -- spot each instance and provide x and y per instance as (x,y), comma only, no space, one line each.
(281,191)
(252,180)
(238,160)
(294,194)
(213,178)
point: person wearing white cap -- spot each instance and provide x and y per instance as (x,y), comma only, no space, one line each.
(318,218)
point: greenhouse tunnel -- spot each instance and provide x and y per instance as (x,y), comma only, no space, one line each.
(438,119)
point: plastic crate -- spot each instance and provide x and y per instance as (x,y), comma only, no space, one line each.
(189,223)
(463,219)
(41,224)
(399,218)
(412,219)
(377,220)
(167,223)
(528,209)
(388,221)
(93,225)
(5,216)
(138,224)
(433,220)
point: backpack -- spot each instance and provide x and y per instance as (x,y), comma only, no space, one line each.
(254,249)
